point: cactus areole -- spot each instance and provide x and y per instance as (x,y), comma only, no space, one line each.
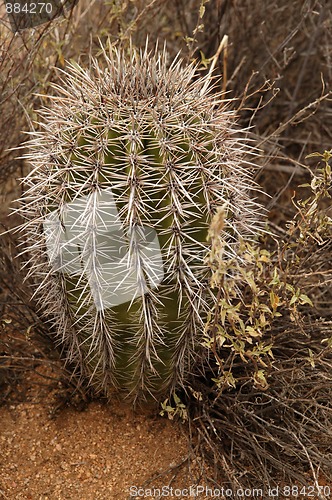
(130,162)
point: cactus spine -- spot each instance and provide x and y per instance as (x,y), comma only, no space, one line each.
(130,162)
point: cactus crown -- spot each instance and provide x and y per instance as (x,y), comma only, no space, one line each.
(130,162)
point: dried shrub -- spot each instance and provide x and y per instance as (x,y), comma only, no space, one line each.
(263,412)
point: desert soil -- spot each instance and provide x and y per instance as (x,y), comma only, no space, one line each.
(97,453)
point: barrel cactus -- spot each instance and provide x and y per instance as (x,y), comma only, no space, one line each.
(131,160)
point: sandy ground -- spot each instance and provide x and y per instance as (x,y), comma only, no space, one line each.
(98,453)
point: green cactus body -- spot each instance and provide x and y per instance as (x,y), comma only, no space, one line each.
(130,163)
